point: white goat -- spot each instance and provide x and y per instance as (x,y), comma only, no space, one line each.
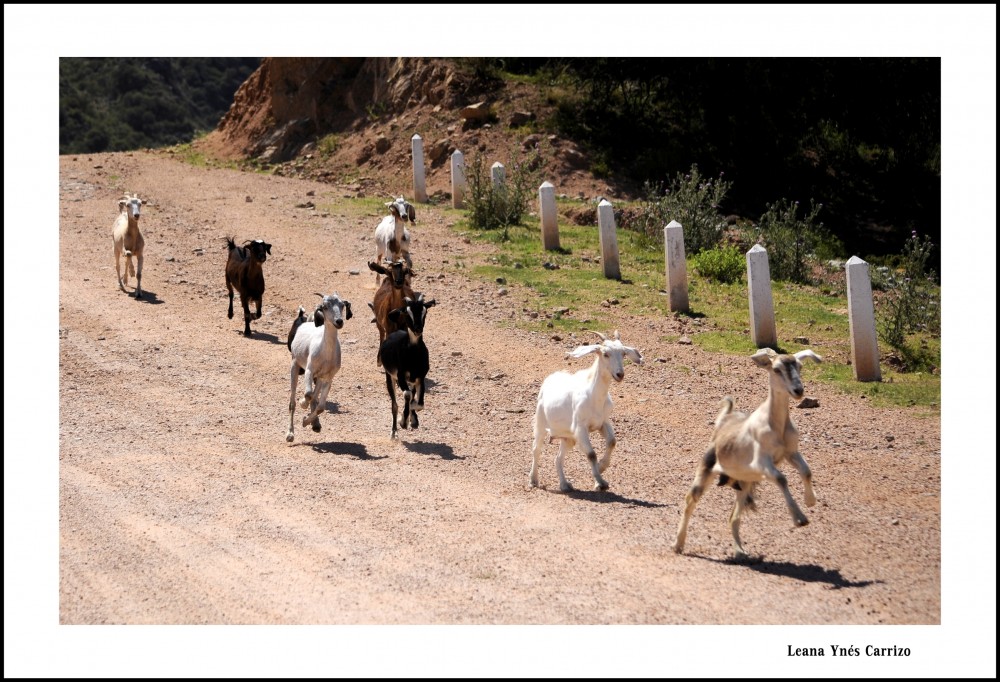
(392,239)
(128,241)
(316,353)
(745,449)
(570,406)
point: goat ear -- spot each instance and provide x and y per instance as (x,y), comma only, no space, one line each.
(430,304)
(347,304)
(394,314)
(267,247)
(580,351)
(633,355)
(318,317)
(808,354)
(375,267)
(618,337)
(121,204)
(411,212)
(764,357)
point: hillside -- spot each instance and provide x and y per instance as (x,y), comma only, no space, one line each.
(350,122)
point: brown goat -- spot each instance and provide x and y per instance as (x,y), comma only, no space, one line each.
(390,295)
(244,272)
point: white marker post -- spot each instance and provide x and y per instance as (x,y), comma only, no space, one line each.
(609,240)
(419,184)
(673,254)
(497,172)
(861,316)
(457,179)
(762,329)
(547,209)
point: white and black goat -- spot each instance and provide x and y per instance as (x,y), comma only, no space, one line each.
(315,352)
(405,359)
(128,241)
(746,449)
(571,406)
(392,239)
(244,272)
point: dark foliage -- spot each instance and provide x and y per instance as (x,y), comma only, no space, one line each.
(116,104)
(862,136)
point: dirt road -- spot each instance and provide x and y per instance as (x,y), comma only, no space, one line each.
(181,502)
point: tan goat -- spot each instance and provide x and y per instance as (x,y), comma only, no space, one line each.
(128,241)
(746,449)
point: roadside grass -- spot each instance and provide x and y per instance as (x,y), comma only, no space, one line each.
(807,316)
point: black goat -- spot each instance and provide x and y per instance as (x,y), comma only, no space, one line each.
(244,271)
(405,359)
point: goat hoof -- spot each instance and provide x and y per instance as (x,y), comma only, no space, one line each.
(289,437)
(247,333)
(316,426)
(802,522)
(565,487)
(229,314)
(678,548)
(601,486)
(393,435)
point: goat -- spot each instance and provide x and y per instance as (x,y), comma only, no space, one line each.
(315,352)
(391,236)
(405,359)
(391,294)
(746,449)
(244,271)
(128,241)
(570,406)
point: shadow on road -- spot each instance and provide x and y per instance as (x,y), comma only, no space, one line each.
(264,336)
(605,496)
(356,450)
(147,297)
(807,573)
(442,450)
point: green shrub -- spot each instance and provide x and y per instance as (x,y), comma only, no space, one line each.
(691,200)
(490,206)
(723,264)
(910,302)
(791,242)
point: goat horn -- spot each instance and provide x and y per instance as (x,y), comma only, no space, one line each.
(618,337)
(603,337)
(320,295)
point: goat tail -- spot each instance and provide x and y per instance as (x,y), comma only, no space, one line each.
(725,407)
(231,242)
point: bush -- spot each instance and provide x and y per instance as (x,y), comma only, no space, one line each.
(691,200)
(724,264)
(791,242)
(910,302)
(492,206)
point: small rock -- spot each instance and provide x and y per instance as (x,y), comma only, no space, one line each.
(808,402)
(456,353)
(171,259)
(307,204)
(606,303)
(518,266)
(801,339)
(466,240)
(249,199)
(660,360)
(533,315)
(556,337)
(498,375)
(501,280)
(311,193)
(562,311)
(354,272)
(502,291)
(684,341)
(100,338)
(890,438)
(895,522)
(613,301)
(549,325)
